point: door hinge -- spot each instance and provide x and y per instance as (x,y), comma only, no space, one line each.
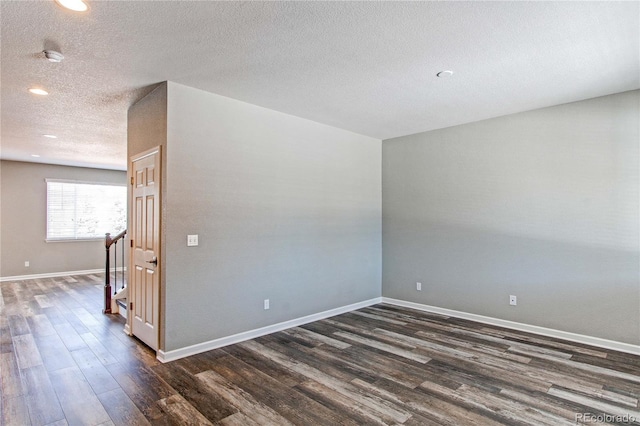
(131,306)
(131,180)
(131,243)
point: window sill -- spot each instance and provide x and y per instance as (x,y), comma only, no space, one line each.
(72,240)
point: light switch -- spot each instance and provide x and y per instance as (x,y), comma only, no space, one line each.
(192,240)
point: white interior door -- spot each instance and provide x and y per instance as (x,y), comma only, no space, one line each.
(144,289)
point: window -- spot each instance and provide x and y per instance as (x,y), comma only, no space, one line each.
(84,210)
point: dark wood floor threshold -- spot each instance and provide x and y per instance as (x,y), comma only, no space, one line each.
(63,362)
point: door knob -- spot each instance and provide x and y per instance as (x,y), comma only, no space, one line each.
(153,260)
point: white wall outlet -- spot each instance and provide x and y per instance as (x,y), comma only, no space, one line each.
(513,300)
(266,304)
(419,286)
(192,240)
(26,263)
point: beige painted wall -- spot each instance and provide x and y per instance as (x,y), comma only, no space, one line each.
(147,129)
(23,193)
(542,205)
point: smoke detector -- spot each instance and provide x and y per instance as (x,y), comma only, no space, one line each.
(53,56)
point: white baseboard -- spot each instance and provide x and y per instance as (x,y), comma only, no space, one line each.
(252,334)
(56,274)
(51,275)
(543,331)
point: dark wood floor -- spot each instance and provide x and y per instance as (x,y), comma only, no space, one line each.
(63,362)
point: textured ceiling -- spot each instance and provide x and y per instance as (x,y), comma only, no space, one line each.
(368,67)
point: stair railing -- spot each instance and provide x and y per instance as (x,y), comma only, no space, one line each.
(108,243)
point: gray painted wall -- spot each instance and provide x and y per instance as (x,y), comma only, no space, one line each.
(24,220)
(286,209)
(542,205)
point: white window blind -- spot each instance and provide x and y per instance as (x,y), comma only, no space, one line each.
(84,210)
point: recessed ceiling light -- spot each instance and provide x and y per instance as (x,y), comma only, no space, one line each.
(35,155)
(75,5)
(37,91)
(445,73)
(50,136)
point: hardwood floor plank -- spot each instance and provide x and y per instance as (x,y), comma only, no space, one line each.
(10,380)
(542,401)
(268,367)
(14,411)
(550,343)
(53,313)
(53,352)
(343,406)
(42,401)
(397,399)
(384,347)
(315,339)
(503,410)
(180,412)
(288,402)
(18,325)
(121,410)
(26,351)
(142,386)
(601,371)
(453,375)
(478,349)
(73,320)
(513,410)
(619,391)
(96,374)
(310,357)
(238,419)
(435,408)
(607,362)
(374,404)
(241,400)
(382,318)
(622,358)
(595,404)
(69,336)
(412,313)
(6,342)
(529,376)
(423,343)
(608,396)
(40,325)
(104,355)
(78,401)
(368,361)
(211,405)
(43,300)
(200,362)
